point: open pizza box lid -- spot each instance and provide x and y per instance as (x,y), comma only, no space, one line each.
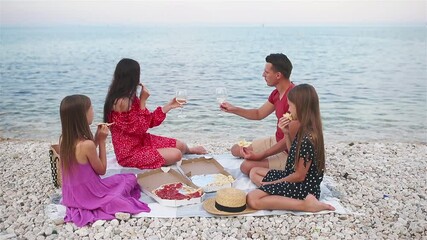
(205,166)
(151,180)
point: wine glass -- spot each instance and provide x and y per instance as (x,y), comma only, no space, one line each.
(221,96)
(181,98)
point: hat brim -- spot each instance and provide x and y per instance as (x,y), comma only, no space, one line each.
(209,206)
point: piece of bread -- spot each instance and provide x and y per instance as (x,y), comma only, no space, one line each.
(212,180)
(244,143)
(288,116)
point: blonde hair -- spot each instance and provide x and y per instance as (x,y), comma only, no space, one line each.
(306,102)
(74,124)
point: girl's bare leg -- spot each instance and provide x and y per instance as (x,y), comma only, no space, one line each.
(258,199)
(193,150)
(257,174)
(247,165)
(171,155)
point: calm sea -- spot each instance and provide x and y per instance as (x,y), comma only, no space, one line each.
(372,81)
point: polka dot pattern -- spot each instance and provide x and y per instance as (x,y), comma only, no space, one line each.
(311,183)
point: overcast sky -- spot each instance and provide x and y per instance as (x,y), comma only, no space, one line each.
(270,12)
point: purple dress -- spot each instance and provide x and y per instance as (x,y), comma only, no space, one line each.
(89,198)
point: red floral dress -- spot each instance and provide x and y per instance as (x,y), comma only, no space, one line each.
(133,145)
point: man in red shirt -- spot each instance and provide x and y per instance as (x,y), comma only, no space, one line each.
(268,152)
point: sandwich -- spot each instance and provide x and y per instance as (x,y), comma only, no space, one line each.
(288,116)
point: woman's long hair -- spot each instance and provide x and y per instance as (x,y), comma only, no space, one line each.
(124,84)
(306,102)
(73,111)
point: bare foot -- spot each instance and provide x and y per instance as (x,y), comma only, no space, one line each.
(197,150)
(314,205)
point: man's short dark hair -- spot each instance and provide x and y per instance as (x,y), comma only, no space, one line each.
(281,63)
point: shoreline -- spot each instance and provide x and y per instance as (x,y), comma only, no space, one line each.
(232,140)
(381,181)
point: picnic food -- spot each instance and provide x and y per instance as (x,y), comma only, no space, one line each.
(212,180)
(243,143)
(288,116)
(177,191)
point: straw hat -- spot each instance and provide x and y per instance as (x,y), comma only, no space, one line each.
(228,201)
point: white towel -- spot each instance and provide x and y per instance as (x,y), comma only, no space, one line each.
(232,165)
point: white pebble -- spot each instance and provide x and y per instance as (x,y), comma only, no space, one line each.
(122,215)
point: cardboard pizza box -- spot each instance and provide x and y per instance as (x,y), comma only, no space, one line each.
(204,166)
(151,180)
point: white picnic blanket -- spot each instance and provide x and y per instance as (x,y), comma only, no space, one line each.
(231,165)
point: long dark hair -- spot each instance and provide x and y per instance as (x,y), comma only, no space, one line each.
(73,110)
(124,84)
(306,102)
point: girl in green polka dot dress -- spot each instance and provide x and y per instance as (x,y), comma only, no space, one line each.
(298,186)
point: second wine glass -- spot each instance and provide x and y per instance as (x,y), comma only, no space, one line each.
(181,98)
(221,95)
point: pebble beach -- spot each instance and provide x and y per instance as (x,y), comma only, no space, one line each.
(383,184)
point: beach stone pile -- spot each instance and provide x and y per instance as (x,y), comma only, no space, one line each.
(383,184)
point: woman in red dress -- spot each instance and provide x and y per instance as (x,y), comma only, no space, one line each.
(133,145)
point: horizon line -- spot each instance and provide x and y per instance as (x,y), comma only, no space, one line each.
(372,24)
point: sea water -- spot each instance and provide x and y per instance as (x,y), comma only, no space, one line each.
(371,81)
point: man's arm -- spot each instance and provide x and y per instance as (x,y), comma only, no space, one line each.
(249,154)
(253,114)
(280,146)
(285,143)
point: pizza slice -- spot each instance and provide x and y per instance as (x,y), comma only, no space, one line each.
(177,191)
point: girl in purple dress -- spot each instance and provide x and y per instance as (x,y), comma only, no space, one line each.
(88,197)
